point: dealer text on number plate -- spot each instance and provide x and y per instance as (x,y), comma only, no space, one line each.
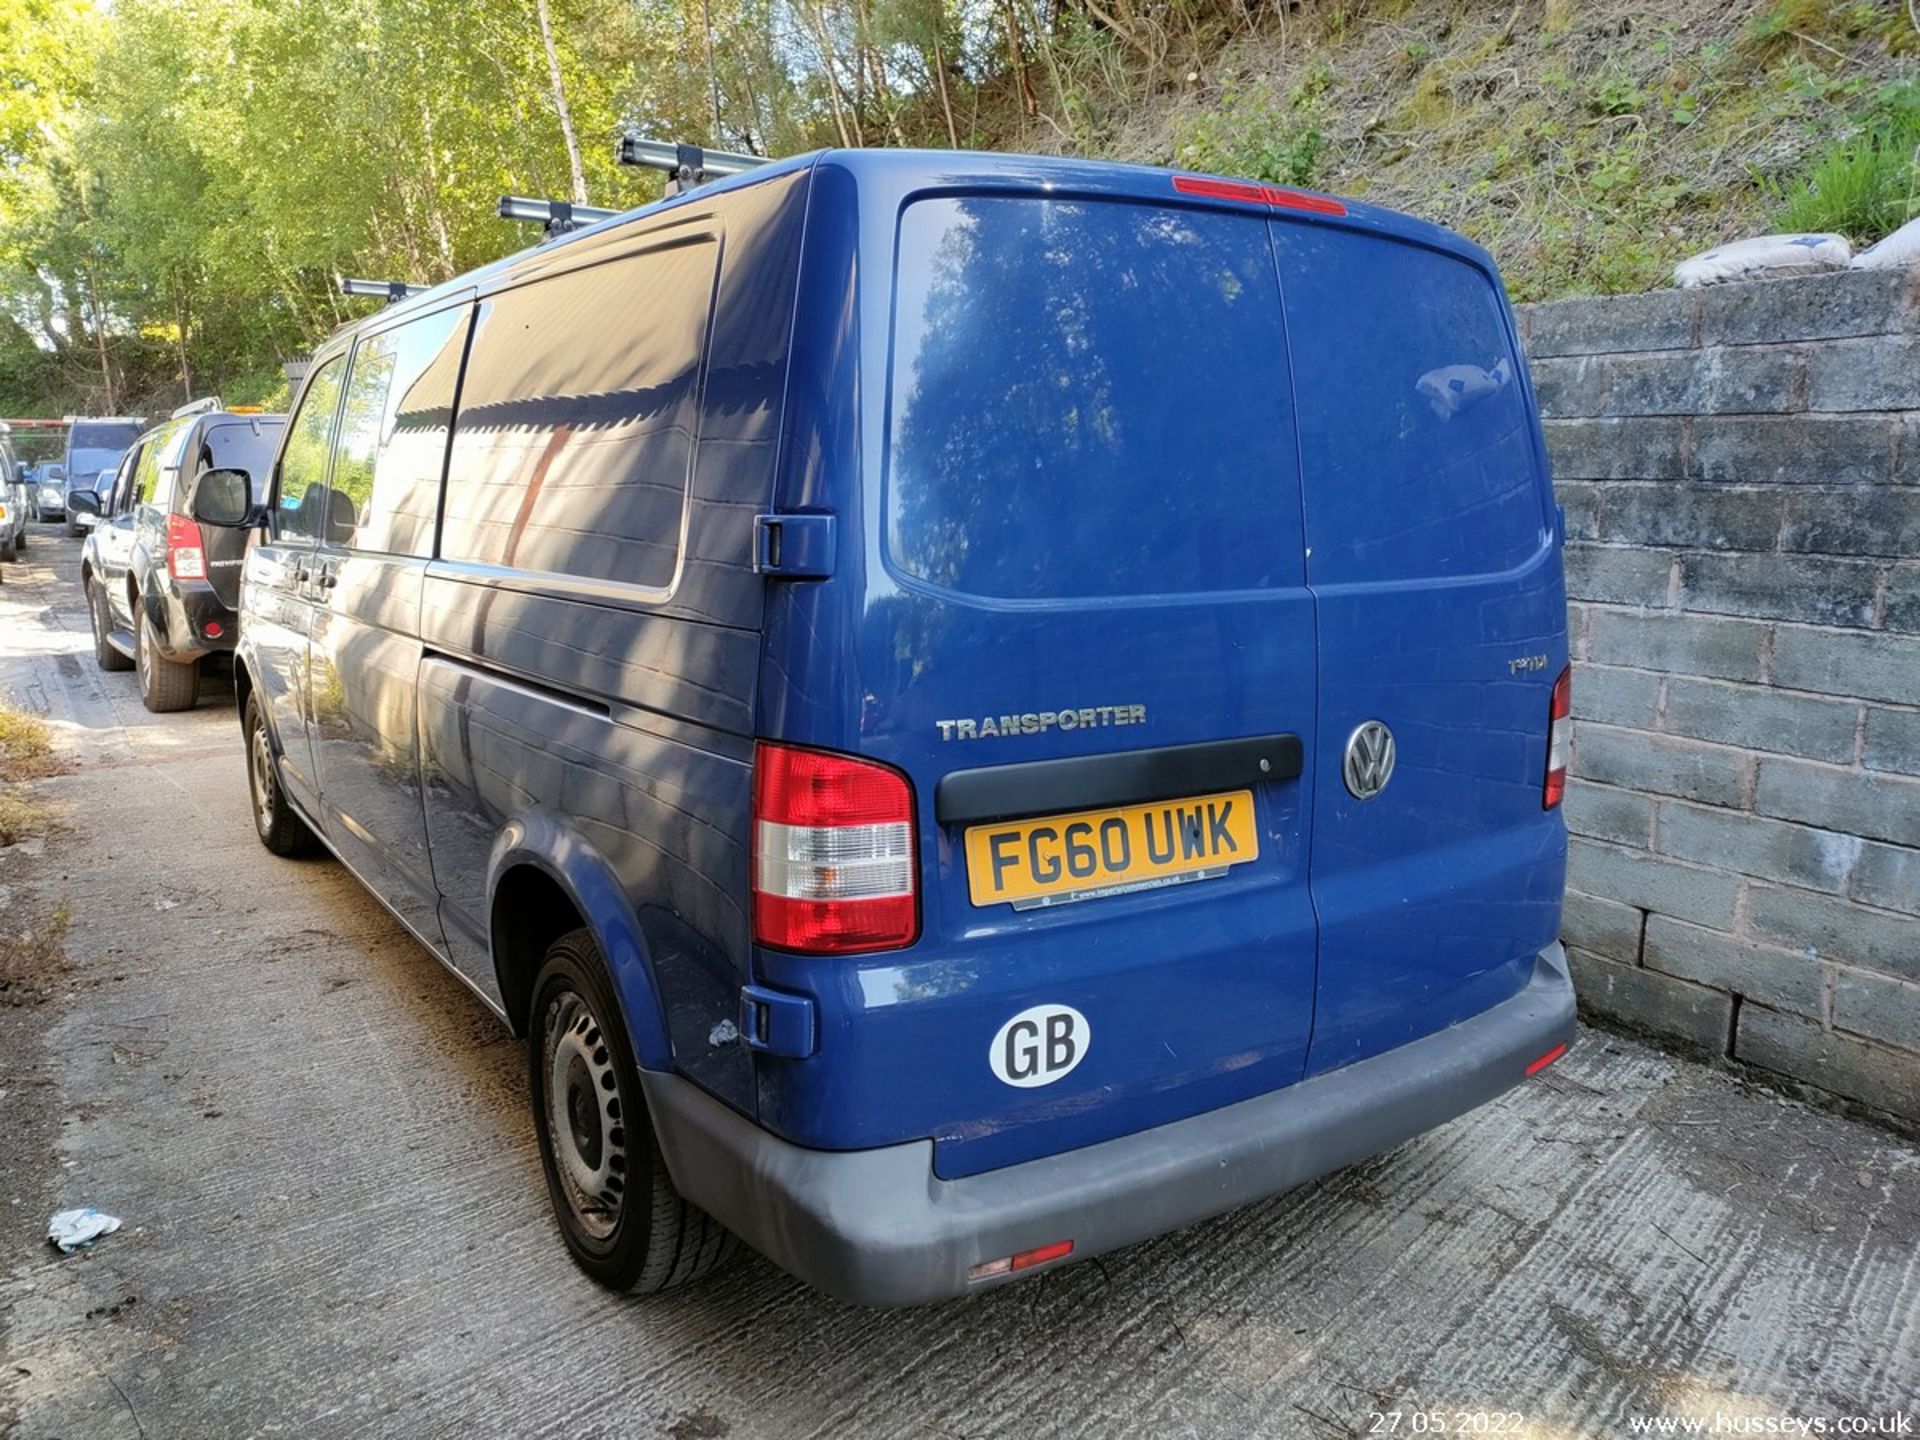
(1059,858)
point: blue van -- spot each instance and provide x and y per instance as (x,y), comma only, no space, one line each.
(973,710)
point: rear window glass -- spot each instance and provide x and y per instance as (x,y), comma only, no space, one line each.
(1088,398)
(247,446)
(1416,441)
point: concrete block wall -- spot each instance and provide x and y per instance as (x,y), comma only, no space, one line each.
(1740,467)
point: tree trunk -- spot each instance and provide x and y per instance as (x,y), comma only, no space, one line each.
(560,104)
(100,334)
(1016,51)
(840,117)
(180,332)
(713,78)
(946,101)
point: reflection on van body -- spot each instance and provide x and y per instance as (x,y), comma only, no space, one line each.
(615,605)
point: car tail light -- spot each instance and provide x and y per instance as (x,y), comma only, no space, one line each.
(186,553)
(833,853)
(1559,740)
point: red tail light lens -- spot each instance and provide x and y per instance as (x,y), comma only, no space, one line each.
(1559,740)
(833,853)
(186,552)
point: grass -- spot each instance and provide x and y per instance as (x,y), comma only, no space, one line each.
(1866,186)
(30,959)
(26,746)
(26,753)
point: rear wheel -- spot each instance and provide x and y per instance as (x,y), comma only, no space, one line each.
(105,655)
(165,685)
(625,1224)
(279,829)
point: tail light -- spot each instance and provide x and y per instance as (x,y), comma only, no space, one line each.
(1559,740)
(186,552)
(833,853)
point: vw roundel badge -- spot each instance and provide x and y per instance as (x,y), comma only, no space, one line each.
(1368,764)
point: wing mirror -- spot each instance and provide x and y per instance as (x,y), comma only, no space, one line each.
(83,502)
(224,498)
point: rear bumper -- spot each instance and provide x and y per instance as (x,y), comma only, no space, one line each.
(189,610)
(879,1228)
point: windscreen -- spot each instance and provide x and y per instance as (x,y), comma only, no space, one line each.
(96,445)
(1088,398)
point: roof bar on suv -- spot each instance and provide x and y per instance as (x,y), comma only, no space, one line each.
(686,165)
(391,291)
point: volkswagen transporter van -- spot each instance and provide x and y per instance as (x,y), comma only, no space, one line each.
(972,710)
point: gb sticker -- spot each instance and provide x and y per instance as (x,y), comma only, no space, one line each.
(1039,1046)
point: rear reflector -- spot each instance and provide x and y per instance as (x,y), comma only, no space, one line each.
(186,554)
(1025,1260)
(833,853)
(1257,194)
(1547,1059)
(1559,740)
(213,630)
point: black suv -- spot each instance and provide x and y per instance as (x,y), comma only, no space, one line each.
(161,590)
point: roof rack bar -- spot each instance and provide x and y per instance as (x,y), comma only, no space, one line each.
(391,291)
(556,217)
(686,165)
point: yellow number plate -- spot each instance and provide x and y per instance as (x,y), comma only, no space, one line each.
(1099,852)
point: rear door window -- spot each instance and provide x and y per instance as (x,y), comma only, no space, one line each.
(244,445)
(574,442)
(393,436)
(1416,442)
(1088,398)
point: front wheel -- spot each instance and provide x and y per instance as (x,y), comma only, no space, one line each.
(105,655)
(625,1224)
(165,685)
(279,829)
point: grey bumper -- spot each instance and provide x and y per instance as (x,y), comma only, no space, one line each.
(879,1228)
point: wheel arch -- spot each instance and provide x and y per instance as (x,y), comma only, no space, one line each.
(546,879)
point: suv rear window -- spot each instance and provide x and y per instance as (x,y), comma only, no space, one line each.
(1088,398)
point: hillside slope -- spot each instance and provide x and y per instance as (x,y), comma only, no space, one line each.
(1587,143)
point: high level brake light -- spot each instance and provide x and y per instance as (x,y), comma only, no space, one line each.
(833,853)
(186,552)
(1559,740)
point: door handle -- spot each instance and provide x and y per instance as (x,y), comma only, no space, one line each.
(328,579)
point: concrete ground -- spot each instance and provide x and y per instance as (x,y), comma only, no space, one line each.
(335,1221)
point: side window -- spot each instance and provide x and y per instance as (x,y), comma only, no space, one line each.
(303,465)
(574,441)
(122,500)
(172,450)
(146,474)
(393,436)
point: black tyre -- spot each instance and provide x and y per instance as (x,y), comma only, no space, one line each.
(104,653)
(626,1225)
(279,829)
(165,685)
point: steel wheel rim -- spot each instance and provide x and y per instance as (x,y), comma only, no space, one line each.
(584,1129)
(260,772)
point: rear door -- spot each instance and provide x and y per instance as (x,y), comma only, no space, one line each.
(1086,559)
(1436,574)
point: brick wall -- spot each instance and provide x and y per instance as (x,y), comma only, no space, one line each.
(1740,467)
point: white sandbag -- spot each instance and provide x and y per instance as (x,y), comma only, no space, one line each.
(1763,257)
(1898,251)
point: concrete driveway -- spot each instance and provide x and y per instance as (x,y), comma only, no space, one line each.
(335,1221)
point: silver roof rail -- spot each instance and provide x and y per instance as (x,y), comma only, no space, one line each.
(205,405)
(391,291)
(556,217)
(686,165)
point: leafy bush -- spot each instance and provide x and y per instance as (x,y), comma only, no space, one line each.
(1258,139)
